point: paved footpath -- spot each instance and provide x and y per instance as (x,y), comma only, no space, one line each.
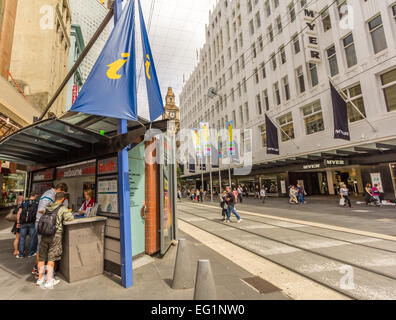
(152,278)
(352,253)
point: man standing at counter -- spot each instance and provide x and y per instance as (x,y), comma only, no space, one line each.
(46,199)
(51,241)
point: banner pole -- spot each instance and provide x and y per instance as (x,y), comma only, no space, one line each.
(347,100)
(211,183)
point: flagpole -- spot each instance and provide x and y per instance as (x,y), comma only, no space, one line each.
(280,128)
(347,100)
(211,182)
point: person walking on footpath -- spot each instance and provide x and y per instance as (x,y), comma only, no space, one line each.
(301,194)
(50,227)
(344,193)
(223,204)
(230,200)
(179,195)
(263,194)
(240,194)
(26,219)
(293,193)
(257,192)
(235,193)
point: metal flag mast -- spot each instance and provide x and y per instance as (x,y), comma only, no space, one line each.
(346,99)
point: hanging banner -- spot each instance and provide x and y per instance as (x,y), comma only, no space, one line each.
(206,146)
(196,138)
(272,137)
(231,148)
(340,113)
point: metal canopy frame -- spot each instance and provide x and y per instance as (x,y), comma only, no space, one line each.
(66,141)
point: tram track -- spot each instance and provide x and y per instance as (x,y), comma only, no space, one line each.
(328,259)
(325,236)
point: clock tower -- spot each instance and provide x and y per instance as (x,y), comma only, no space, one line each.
(171,110)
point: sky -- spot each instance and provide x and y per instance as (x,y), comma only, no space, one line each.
(176,32)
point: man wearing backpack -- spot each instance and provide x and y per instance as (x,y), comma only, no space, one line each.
(50,227)
(46,199)
(25,219)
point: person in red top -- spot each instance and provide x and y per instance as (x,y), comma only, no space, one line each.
(88,203)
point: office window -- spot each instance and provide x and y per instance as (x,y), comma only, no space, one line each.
(266,99)
(270,32)
(259,105)
(332,58)
(241,114)
(251,27)
(279,24)
(254,51)
(273,60)
(260,43)
(303,3)
(234,118)
(244,83)
(350,52)
(241,40)
(377,34)
(267,7)
(313,71)
(355,95)
(277,93)
(256,76)
(388,81)
(263,134)
(296,44)
(326,21)
(300,79)
(394,11)
(313,118)
(286,88)
(286,123)
(342,8)
(263,71)
(258,19)
(292,11)
(247,111)
(282,54)
(250,6)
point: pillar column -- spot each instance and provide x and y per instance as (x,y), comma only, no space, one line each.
(330,182)
(152,241)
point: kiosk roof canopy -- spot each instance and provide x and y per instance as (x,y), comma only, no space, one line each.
(74,137)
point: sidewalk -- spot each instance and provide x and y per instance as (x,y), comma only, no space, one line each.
(152,278)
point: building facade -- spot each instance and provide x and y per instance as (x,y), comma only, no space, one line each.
(89,14)
(275,58)
(77,46)
(39,61)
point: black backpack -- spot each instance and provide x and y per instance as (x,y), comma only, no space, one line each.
(29,211)
(47,223)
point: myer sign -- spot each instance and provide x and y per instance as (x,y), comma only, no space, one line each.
(326,163)
(311,37)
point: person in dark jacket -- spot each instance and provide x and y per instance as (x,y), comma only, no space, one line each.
(26,220)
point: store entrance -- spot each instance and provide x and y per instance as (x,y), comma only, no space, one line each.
(315,183)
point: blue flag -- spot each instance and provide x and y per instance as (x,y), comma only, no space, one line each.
(110,89)
(153,90)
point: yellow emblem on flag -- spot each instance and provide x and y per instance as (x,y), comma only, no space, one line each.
(115,66)
(148,64)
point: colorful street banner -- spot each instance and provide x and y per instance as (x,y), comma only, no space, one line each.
(272,137)
(231,148)
(155,101)
(205,139)
(110,89)
(196,139)
(340,114)
(215,148)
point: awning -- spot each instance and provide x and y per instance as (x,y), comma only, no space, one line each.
(77,137)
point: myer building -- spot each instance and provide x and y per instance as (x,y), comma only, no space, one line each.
(275,57)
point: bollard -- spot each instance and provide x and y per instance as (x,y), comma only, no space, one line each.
(183,277)
(205,288)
